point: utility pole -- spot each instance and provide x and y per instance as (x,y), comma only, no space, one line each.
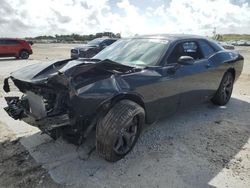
(214,32)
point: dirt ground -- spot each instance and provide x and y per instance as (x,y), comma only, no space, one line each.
(17,167)
(207,146)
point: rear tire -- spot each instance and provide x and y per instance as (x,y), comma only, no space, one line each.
(24,54)
(223,94)
(118,131)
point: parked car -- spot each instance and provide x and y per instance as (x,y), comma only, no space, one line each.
(92,47)
(15,48)
(227,46)
(133,81)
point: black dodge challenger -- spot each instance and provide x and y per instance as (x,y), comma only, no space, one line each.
(134,81)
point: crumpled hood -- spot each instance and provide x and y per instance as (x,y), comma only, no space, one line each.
(43,71)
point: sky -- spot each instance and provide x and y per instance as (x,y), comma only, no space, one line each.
(29,18)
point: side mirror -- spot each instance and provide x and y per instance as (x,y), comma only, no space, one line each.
(186,60)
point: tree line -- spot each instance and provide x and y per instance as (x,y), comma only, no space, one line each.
(76,37)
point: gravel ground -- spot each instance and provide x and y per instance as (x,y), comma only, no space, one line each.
(207,146)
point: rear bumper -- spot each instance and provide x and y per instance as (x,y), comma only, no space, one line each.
(17,110)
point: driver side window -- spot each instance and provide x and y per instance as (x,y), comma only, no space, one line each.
(189,48)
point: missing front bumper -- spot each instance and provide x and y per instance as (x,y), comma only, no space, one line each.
(17,110)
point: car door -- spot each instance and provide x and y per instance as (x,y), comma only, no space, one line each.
(7,47)
(13,47)
(192,81)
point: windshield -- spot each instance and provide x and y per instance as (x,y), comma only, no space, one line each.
(95,42)
(134,51)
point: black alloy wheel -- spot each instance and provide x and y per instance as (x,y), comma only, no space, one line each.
(223,94)
(126,137)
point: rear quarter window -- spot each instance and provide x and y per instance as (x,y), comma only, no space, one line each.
(215,45)
(206,48)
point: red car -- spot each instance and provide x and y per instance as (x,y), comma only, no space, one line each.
(15,48)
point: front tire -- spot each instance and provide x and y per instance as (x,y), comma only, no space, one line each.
(118,131)
(24,54)
(223,94)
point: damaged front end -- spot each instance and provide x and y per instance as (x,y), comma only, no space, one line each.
(39,106)
(55,97)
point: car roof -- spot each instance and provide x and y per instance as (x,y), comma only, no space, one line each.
(171,37)
(176,37)
(12,39)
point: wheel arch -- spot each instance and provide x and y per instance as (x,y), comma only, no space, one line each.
(232,70)
(23,49)
(105,106)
